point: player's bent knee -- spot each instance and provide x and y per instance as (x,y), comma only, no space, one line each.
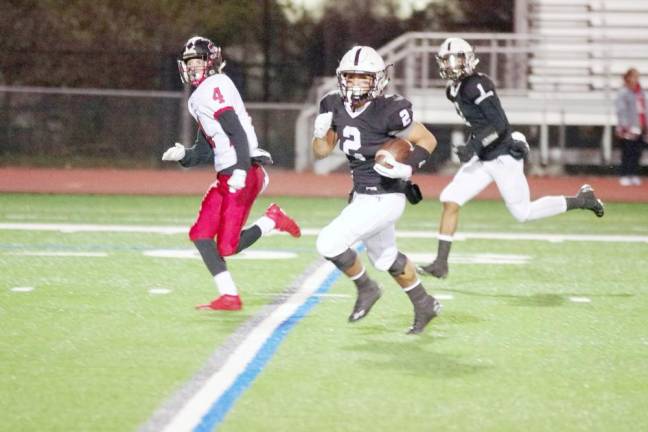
(449,198)
(520,213)
(398,267)
(328,244)
(384,259)
(344,260)
(197,233)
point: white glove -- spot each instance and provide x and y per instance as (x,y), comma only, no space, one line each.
(175,153)
(322,124)
(237,180)
(398,170)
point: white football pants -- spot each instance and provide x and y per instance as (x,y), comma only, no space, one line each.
(370,219)
(508,174)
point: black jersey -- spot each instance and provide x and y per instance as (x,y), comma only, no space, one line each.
(361,133)
(476,101)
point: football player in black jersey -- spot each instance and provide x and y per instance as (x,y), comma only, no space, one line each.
(493,153)
(359,118)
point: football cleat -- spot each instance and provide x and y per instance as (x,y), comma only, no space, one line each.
(225,302)
(282,221)
(438,269)
(590,202)
(424,313)
(365,301)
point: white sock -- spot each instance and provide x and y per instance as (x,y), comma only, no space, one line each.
(412,286)
(445,237)
(266,224)
(359,275)
(225,283)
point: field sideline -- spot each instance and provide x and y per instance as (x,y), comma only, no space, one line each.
(176,181)
(541,328)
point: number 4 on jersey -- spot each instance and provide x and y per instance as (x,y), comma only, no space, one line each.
(218,96)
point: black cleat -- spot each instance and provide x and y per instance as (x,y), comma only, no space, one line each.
(365,301)
(424,314)
(589,200)
(438,269)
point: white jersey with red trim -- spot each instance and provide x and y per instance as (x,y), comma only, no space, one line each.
(211,98)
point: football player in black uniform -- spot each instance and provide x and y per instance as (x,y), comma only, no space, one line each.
(360,119)
(493,153)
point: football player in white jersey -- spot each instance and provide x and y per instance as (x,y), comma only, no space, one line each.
(226,139)
(493,153)
(364,119)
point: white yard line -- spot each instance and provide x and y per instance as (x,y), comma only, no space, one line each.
(22,289)
(191,413)
(485,235)
(59,254)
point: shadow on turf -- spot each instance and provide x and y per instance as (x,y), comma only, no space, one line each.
(537,300)
(409,355)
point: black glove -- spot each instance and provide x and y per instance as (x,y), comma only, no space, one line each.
(519,149)
(465,153)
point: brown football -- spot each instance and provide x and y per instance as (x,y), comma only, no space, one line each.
(398,147)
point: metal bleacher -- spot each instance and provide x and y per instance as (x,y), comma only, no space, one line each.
(563,70)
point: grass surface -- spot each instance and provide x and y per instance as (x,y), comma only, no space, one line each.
(91,349)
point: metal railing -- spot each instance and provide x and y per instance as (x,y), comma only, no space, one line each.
(543,80)
(109,127)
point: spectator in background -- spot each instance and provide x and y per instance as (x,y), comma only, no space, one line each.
(631,129)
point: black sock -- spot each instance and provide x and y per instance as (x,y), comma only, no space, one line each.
(363,282)
(575,202)
(443,250)
(212,259)
(248,237)
(417,294)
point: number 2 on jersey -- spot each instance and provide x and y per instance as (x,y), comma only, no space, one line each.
(352,142)
(218,96)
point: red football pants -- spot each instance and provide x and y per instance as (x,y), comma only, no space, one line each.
(222,214)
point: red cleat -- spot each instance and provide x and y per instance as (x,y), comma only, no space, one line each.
(225,302)
(282,221)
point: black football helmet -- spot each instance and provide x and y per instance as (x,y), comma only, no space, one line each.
(204,49)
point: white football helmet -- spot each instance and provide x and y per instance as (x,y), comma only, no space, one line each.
(456,59)
(361,60)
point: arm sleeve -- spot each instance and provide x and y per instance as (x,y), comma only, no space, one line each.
(482,93)
(201,152)
(232,126)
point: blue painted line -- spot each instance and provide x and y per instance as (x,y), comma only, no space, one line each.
(222,405)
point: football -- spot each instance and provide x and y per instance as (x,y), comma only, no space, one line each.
(398,147)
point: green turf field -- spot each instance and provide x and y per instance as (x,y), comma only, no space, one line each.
(557,340)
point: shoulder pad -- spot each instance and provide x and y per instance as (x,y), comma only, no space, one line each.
(476,85)
(329,100)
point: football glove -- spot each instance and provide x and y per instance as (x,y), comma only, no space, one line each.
(322,124)
(236,181)
(175,153)
(398,170)
(519,148)
(465,152)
